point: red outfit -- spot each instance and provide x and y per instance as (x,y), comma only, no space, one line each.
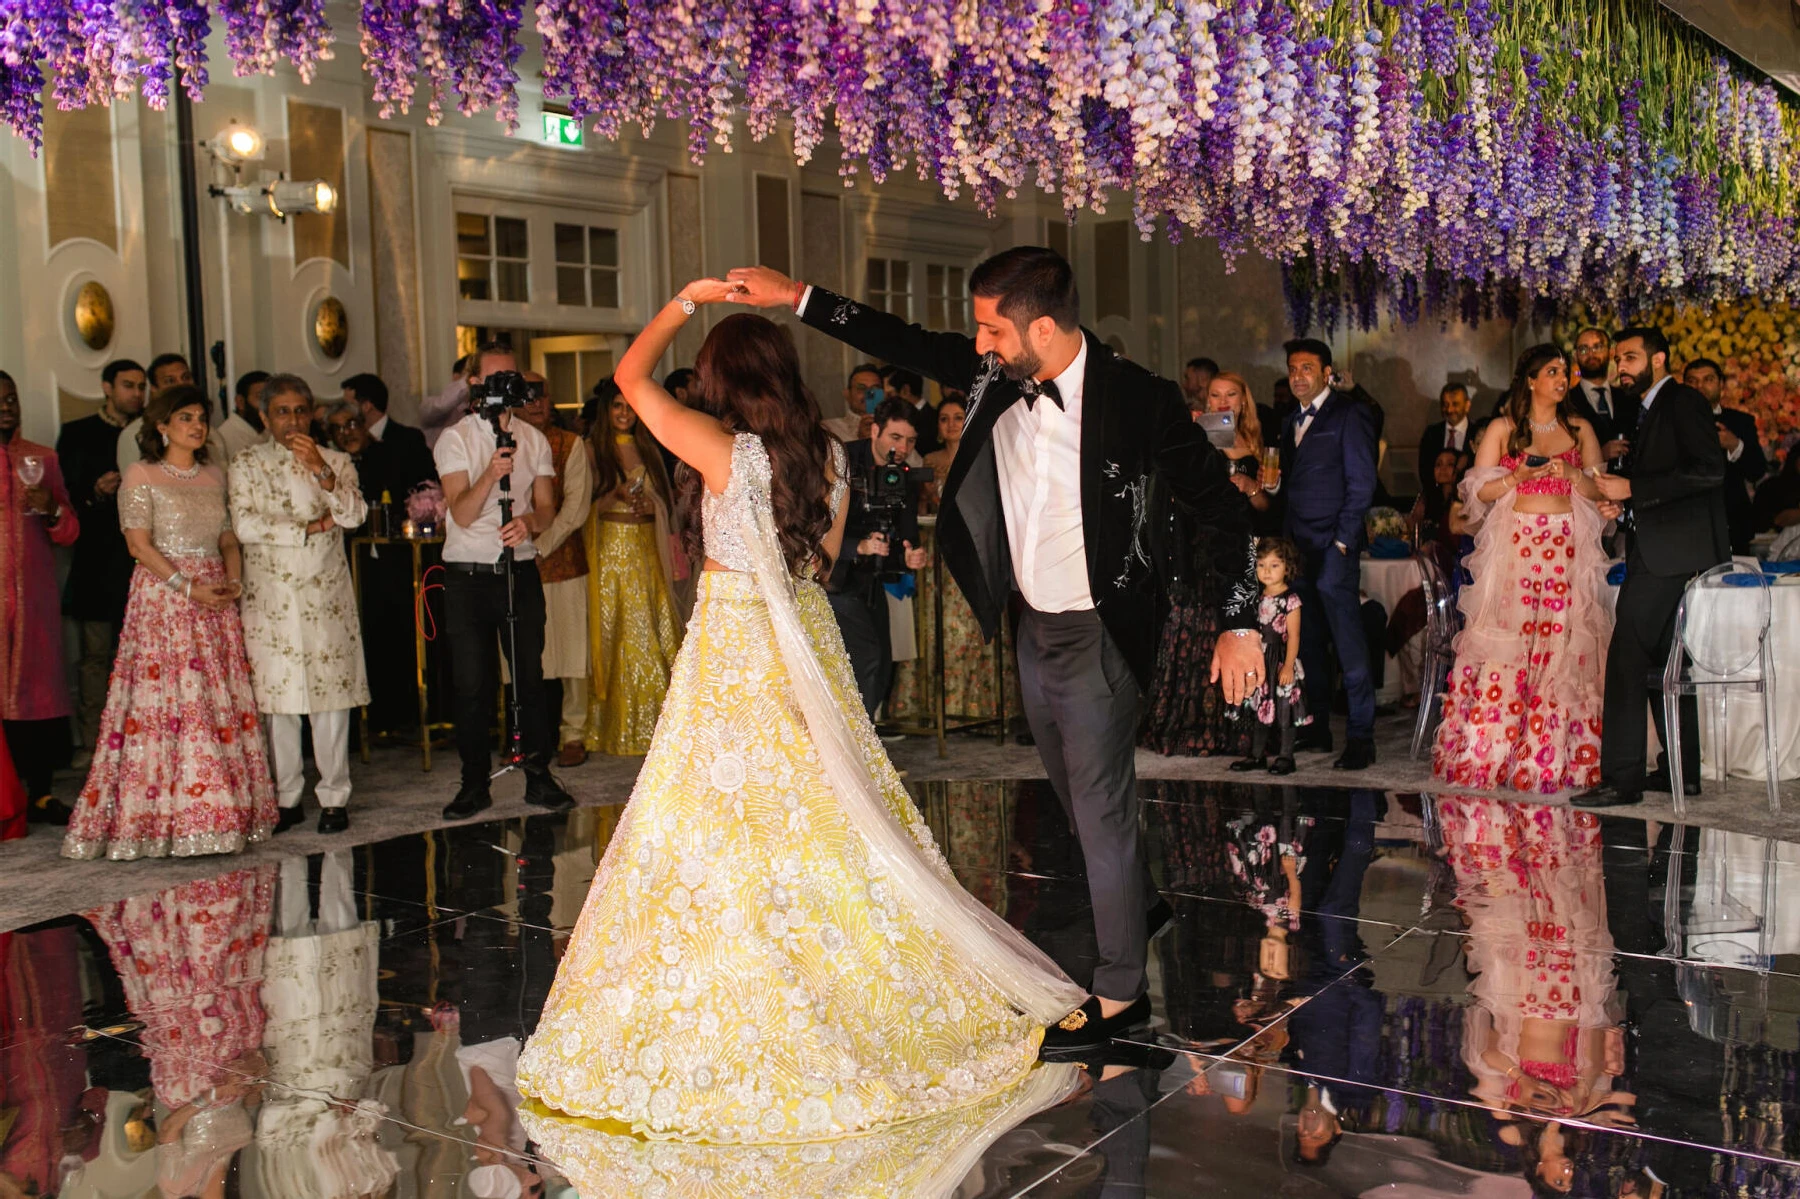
(33,685)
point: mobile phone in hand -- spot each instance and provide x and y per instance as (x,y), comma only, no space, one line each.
(1535,460)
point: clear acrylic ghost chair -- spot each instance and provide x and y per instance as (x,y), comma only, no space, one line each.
(1437,654)
(1722,628)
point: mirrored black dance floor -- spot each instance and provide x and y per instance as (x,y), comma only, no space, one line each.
(1358,992)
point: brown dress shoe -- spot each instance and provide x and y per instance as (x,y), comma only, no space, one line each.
(572,754)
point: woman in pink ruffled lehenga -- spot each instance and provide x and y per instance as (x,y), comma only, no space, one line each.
(1523,710)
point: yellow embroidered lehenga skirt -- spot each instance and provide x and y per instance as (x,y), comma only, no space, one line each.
(633,631)
(741,972)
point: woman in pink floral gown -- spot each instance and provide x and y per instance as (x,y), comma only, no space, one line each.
(1523,710)
(180,767)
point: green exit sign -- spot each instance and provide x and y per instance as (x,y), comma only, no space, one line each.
(562,130)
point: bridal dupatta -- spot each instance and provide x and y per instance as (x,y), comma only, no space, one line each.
(1020,971)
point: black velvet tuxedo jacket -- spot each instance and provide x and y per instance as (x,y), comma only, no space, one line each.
(1138,444)
(1677,471)
(1741,477)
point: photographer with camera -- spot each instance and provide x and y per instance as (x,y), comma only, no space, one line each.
(881,535)
(492,462)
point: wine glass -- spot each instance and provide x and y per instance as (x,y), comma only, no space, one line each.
(31,471)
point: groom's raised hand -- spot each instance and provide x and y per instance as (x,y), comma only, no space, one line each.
(764,287)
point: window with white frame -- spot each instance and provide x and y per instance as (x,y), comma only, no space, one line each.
(493,258)
(947,298)
(587,266)
(889,286)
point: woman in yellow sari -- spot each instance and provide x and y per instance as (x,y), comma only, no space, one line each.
(632,626)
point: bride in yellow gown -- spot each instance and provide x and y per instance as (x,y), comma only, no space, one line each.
(773,949)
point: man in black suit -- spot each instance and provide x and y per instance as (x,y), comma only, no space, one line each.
(1745,464)
(1056,488)
(1613,416)
(907,387)
(1454,432)
(1676,490)
(858,598)
(405,446)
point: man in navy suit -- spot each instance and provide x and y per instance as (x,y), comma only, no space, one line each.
(1745,464)
(1328,470)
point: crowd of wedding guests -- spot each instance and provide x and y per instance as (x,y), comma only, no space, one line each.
(1586,458)
(207,616)
(204,626)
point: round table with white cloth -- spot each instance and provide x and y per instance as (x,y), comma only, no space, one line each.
(1386,580)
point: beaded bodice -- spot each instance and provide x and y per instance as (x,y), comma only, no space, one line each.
(184,515)
(1549,484)
(724,517)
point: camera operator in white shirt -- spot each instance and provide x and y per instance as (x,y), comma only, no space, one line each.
(471,465)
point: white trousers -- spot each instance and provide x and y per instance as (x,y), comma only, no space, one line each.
(337,902)
(331,753)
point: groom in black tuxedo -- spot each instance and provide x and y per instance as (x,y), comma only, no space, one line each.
(1069,457)
(1676,491)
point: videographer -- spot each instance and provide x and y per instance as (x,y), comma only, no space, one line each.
(881,533)
(471,463)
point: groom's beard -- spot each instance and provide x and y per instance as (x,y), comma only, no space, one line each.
(1632,387)
(1024,367)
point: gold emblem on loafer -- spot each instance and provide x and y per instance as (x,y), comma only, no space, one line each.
(1075,1020)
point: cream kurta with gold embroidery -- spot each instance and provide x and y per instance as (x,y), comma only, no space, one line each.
(301,628)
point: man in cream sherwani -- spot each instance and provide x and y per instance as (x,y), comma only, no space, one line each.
(291,501)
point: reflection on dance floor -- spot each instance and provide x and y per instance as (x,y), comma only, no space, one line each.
(1445,995)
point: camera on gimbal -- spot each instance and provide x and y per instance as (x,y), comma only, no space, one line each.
(500,391)
(886,494)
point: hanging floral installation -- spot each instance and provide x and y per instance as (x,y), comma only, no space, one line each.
(1454,157)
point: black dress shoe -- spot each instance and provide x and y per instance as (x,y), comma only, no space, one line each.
(288,818)
(1157,919)
(47,809)
(333,820)
(1085,1027)
(1282,765)
(1246,765)
(1607,796)
(1358,755)
(1308,741)
(1659,781)
(543,791)
(473,798)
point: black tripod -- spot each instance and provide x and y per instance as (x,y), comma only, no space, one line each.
(513,756)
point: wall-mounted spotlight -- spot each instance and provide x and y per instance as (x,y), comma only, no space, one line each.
(281,199)
(236,145)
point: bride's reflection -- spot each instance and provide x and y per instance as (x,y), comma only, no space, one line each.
(1543,1039)
(921,1159)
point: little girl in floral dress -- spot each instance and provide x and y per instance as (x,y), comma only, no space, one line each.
(1277,700)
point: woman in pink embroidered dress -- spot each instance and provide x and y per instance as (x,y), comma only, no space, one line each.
(1523,710)
(180,767)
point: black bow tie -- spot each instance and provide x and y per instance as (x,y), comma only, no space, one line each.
(1032,389)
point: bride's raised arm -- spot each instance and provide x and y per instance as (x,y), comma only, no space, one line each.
(692,436)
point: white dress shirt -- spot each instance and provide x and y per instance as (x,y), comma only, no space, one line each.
(379,427)
(468,446)
(1595,391)
(1307,412)
(1038,451)
(1456,437)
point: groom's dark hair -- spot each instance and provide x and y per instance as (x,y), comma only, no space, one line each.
(1029,282)
(1654,341)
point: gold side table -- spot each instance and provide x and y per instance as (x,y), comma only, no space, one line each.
(415,548)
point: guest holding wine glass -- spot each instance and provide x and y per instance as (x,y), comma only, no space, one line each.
(1524,709)
(35,517)
(180,767)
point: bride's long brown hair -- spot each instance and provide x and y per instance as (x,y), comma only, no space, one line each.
(749,377)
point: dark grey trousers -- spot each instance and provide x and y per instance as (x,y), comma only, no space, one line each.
(1082,704)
